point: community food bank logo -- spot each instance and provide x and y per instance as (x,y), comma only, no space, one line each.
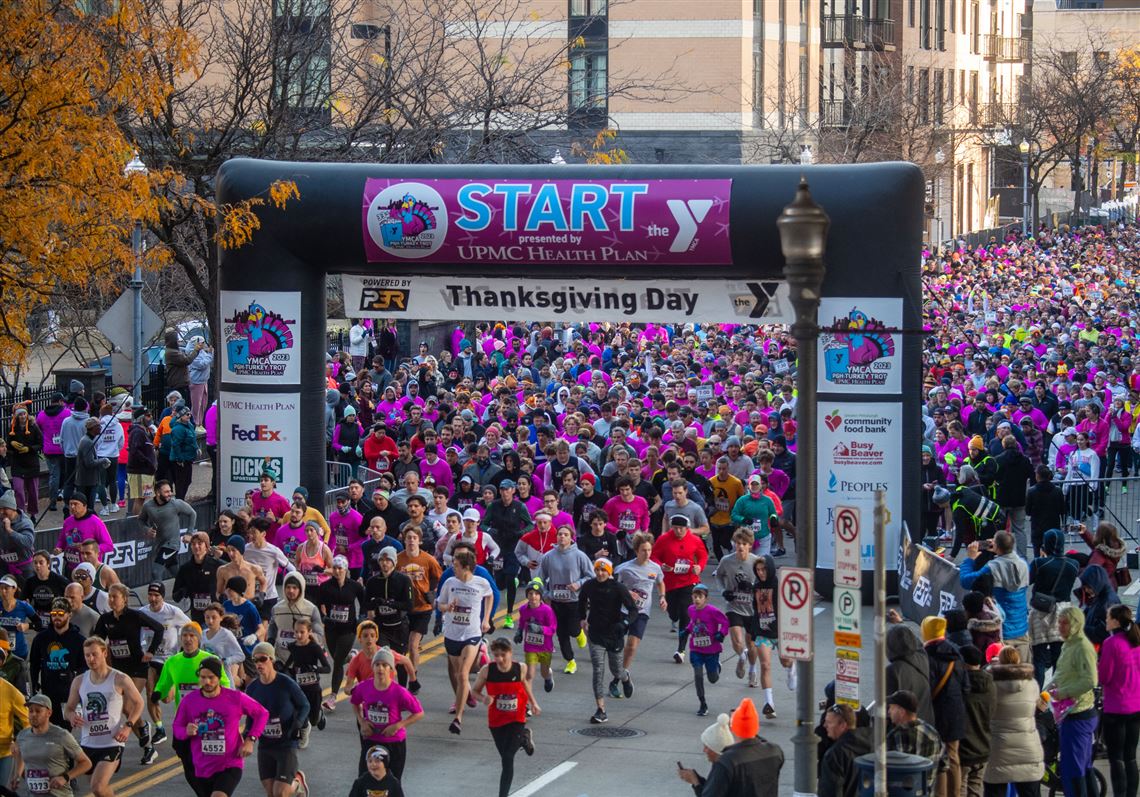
(407,220)
(258,341)
(857,351)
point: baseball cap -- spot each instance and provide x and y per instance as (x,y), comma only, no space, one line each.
(41,700)
(904,700)
(471,514)
(505,483)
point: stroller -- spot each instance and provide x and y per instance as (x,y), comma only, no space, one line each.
(1051,746)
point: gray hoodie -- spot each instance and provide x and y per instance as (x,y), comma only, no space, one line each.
(735,578)
(72,431)
(332,398)
(561,568)
(286,614)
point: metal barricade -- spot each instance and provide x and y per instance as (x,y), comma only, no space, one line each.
(339,474)
(1115,500)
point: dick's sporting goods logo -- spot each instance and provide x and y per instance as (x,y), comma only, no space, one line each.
(248,470)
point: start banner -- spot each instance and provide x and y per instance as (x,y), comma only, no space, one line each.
(528,299)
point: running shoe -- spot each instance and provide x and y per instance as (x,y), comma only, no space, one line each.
(740,662)
(779,552)
(149,756)
(300,785)
(769,712)
(471,700)
(414,687)
(581,639)
(703,711)
(455,727)
(159,736)
(677,657)
(508,622)
(614,691)
(548,684)
(571,667)
(672,628)
(144,737)
(792,679)
(753,678)
(306,731)
(599,717)
(627,686)
(452,709)
(321,722)
(528,741)
(329,704)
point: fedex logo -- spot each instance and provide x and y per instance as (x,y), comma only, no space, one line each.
(258,434)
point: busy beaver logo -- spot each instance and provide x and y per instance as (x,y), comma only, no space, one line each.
(256,341)
(857,351)
(407,220)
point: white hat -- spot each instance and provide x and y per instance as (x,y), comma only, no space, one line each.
(472,514)
(716,737)
(341,562)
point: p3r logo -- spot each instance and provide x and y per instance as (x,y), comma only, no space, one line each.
(688,214)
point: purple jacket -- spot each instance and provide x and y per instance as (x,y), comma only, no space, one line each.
(50,420)
(1119,675)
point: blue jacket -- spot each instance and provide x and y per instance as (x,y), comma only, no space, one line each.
(183,442)
(1011,588)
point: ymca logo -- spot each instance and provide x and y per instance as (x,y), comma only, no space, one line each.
(688,214)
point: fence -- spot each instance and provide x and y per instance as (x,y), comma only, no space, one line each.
(338,475)
(1109,500)
(153,395)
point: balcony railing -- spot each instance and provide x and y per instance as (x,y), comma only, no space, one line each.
(856,31)
(1000,114)
(835,113)
(1004,48)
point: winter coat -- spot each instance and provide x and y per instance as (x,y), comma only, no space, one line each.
(1119,674)
(1075,675)
(909,669)
(985,629)
(1015,748)
(177,362)
(949,702)
(1107,556)
(50,420)
(1045,506)
(980,700)
(141,457)
(1095,579)
(88,467)
(183,442)
(199,367)
(1015,473)
(1052,574)
(1011,588)
(72,431)
(838,775)
(25,435)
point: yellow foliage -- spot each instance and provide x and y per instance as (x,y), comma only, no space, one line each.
(600,151)
(66,209)
(238,222)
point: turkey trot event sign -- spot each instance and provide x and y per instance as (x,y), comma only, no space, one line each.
(855,353)
(260,336)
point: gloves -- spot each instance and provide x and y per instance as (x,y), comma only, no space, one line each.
(249,641)
(718,636)
(359,451)
(518,636)
(18,447)
(729,595)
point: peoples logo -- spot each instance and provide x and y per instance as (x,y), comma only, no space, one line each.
(407,220)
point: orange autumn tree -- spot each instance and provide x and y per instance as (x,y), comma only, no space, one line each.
(66,209)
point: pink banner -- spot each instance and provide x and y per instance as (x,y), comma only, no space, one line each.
(627,222)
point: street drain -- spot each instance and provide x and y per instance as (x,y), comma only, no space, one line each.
(607,732)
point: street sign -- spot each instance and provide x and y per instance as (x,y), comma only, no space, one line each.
(848,566)
(118,324)
(847,677)
(845,608)
(795,615)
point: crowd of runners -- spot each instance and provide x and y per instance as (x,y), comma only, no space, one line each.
(542,491)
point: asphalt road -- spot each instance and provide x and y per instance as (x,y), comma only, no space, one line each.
(565,764)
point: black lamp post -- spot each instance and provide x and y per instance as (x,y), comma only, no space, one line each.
(803,237)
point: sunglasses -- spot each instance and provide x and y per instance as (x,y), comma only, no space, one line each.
(82,577)
(260,659)
(57,614)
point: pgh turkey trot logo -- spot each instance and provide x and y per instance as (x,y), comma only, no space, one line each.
(407,220)
(257,340)
(857,350)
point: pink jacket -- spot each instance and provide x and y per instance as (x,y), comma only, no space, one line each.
(1119,675)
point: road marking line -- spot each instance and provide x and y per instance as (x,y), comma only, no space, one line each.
(544,780)
(148,772)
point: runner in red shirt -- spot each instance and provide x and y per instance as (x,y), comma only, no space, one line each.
(683,557)
(504,687)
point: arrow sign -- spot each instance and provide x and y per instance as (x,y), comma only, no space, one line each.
(794,615)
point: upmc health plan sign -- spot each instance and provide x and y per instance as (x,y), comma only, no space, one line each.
(794,615)
(601,221)
(257,430)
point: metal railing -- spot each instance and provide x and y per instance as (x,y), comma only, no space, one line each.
(1004,48)
(845,29)
(1113,499)
(1000,114)
(339,474)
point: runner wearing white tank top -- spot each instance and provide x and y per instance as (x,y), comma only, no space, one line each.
(104,705)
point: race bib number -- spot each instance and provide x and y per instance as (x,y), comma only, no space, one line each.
(200,602)
(759,529)
(71,556)
(341,543)
(285,637)
(311,578)
(98,724)
(561,592)
(185,689)
(461,615)
(38,780)
(385,609)
(339,614)
(721,504)
(378,715)
(120,649)
(272,729)
(214,746)
(640,598)
(536,638)
(508,704)
(307,678)
(702,641)
(681,566)
(55,439)
(627,523)
(9,557)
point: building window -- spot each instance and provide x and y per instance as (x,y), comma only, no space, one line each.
(587,8)
(973,98)
(910,13)
(300,8)
(305,83)
(758,88)
(1069,61)
(910,83)
(924,24)
(588,81)
(939,98)
(1101,59)
(975,25)
(923,96)
(803,98)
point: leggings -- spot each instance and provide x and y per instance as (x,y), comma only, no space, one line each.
(722,539)
(699,677)
(1121,735)
(677,602)
(340,645)
(1029,788)
(508,581)
(27,494)
(313,695)
(397,756)
(569,625)
(508,739)
(599,655)
(1077,754)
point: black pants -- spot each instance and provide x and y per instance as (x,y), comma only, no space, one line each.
(181,749)
(397,756)
(1045,656)
(67,479)
(508,740)
(721,539)
(1121,735)
(677,603)
(569,625)
(183,474)
(313,695)
(1030,788)
(340,645)
(1117,455)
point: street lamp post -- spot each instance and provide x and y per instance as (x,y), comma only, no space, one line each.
(136,166)
(803,236)
(1023,147)
(939,160)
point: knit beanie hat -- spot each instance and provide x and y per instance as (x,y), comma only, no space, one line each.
(717,736)
(977,442)
(933,628)
(745,721)
(192,628)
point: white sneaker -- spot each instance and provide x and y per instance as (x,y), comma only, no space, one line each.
(792,680)
(753,678)
(306,730)
(105,512)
